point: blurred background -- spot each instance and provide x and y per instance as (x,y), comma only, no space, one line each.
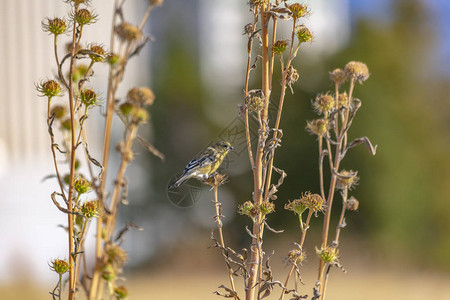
(397,246)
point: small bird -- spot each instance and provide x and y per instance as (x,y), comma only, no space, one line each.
(204,164)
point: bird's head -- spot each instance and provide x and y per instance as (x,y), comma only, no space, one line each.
(223,147)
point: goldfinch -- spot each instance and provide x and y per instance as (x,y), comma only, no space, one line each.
(204,164)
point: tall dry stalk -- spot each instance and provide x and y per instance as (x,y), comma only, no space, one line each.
(81,208)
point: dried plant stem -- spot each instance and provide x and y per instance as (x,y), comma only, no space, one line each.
(80,250)
(341,218)
(272,54)
(280,106)
(52,147)
(304,228)
(222,243)
(334,169)
(106,146)
(72,280)
(256,258)
(322,189)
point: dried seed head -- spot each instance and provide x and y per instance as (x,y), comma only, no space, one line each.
(79,71)
(343,100)
(296,206)
(99,52)
(323,103)
(49,88)
(318,127)
(279,47)
(113,59)
(247,209)
(327,254)
(55,26)
(59,266)
(84,17)
(248,29)
(108,273)
(314,202)
(291,76)
(338,76)
(80,1)
(89,97)
(81,185)
(216,179)
(256,3)
(304,35)
(357,70)
(352,203)
(66,125)
(266,207)
(139,115)
(156,2)
(255,100)
(128,32)
(121,292)
(59,111)
(296,256)
(126,108)
(92,209)
(347,180)
(299,10)
(141,96)
(116,255)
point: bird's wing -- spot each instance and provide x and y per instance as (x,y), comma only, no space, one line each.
(204,158)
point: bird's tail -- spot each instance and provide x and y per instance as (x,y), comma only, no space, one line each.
(177,182)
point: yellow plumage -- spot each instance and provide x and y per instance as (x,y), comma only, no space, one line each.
(204,164)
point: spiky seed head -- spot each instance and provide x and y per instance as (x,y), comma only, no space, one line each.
(280,46)
(92,208)
(327,254)
(296,256)
(139,115)
(266,208)
(79,71)
(357,70)
(247,209)
(216,179)
(299,10)
(141,96)
(338,76)
(347,180)
(84,17)
(59,111)
(99,53)
(126,108)
(343,100)
(121,292)
(116,255)
(324,103)
(55,26)
(318,127)
(255,100)
(89,97)
(113,59)
(81,185)
(49,88)
(304,35)
(66,124)
(352,204)
(248,29)
(128,32)
(108,272)
(59,266)
(296,206)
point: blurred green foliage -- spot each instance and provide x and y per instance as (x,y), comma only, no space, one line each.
(404,190)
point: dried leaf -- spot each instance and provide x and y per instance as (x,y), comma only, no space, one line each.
(125,229)
(358,141)
(150,148)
